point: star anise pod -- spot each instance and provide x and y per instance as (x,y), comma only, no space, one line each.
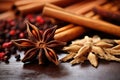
(39,44)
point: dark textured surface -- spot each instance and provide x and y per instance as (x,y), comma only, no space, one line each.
(19,71)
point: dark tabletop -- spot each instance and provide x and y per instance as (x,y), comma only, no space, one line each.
(106,70)
(20,71)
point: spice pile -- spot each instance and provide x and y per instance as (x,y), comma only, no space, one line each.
(39,42)
(39,45)
(92,49)
(15,29)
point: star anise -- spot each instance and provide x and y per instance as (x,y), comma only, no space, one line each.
(91,49)
(39,44)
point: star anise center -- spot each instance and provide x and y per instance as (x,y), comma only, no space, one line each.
(41,44)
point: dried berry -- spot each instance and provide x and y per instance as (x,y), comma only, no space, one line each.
(21,35)
(12,32)
(40,19)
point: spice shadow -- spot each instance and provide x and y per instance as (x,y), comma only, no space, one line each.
(48,69)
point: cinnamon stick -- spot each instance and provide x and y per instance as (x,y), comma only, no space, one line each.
(106,13)
(37,7)
(106,6)
(5,5)
(77,6)
(7,15)
(69,34)
(80,7)
(63,34)
(81,20)
(21,3)
(89,6)
(64,28)
(24,2)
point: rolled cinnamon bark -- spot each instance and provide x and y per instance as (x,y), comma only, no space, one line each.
(37,7)
(113,15)
(64,28)
(5,5)
(89,6)
(81,20)
(69,34)
(62,31)
(22,3)
(80,7)
(7,15)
